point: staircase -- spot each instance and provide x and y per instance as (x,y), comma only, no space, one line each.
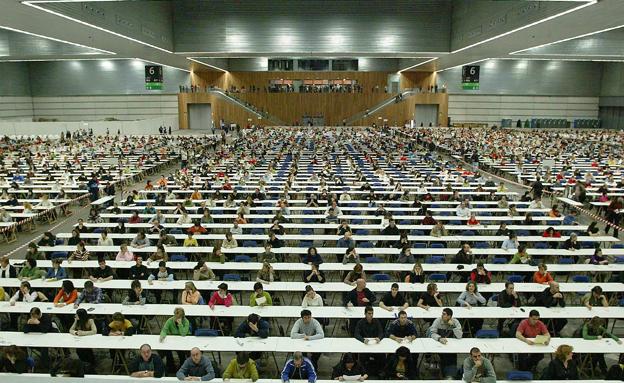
(380,106)
(248,107)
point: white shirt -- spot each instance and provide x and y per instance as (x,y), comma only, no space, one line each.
(462,211)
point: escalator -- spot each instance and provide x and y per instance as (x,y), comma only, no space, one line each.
(248,107)
(374,109)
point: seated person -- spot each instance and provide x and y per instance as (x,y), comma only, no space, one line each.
(299,367)
(196,367)
(103,273)
(349,369)
(241,367)
(260,297)
(146,364)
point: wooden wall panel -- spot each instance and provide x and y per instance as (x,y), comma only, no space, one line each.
(411,80)
(291,107)
(398,114)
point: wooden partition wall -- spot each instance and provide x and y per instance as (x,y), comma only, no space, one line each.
(290,107)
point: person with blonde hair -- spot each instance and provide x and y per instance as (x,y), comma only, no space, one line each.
(563,366)
(190,295)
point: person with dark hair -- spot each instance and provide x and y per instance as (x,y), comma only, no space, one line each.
(14,360)
(300,368)
(56,272)
(25,294)
(595,329)
(40,323)
(136,295)
(146,364)
(102,273)
(441,329)
(139,270)
(393,299)
(69,367)
(401,329)
(369,330)
(308,328)
(30,271)
(260,297)
(401,365)
(477,368)
(120,326)
(528,329)
(241,367)
(254,325)
(84,326)
(349,369)
(66,295)
(90,294)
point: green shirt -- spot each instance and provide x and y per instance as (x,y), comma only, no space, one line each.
(171,328)
(589,334)
(31,273)
(233,371)
(269,300)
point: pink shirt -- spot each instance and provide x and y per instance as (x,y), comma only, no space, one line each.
(124,256)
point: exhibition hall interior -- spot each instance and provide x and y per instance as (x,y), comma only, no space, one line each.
(311,190)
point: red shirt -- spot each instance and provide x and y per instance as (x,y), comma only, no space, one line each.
(361,295)
(529,331)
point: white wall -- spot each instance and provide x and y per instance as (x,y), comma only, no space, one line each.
(16,108)
(98,108)
(492,109)
(149,126)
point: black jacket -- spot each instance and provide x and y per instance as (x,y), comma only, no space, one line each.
(44,326)
(352,297)
(340,370)
(137,364)
(545,298)
(411,371)
(364,329)
(556,371)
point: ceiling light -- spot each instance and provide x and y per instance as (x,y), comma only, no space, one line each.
(208,65)
(567,39)
(419,64)
(32,4)
(527,26)
(58,40)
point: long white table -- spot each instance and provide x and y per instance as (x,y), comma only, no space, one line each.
(372,251)
(44,378)
(328,266)
(335,312)
(288,345)
(378,287)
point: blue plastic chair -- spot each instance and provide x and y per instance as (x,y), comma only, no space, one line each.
(499,260)
(541,245)
(58,254)
(566,261)
(515,278)
(366,245)
(482,245)
(176,231)
(249,243)
(381,277)
(231,277)
(178,258)
(435,259)
(437,245)
(373,260)
(206,332)
(437,277)
(487,334)
(420,245)
(519,375)
(242,258)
